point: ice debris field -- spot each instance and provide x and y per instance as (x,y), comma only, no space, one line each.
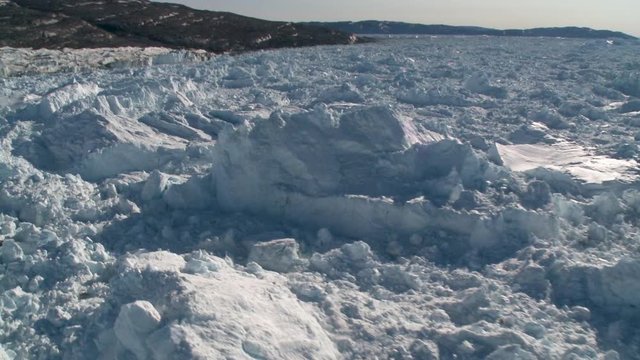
(428,198)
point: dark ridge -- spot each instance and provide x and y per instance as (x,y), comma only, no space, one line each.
(111,23)
(373,27)
(22,27)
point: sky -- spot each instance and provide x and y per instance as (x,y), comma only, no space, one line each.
(620,15)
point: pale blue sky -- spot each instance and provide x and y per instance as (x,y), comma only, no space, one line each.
(621,15)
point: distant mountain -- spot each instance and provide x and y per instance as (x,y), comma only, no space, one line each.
(112,23)
(374,27)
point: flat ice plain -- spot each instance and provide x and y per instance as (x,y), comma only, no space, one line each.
(416,198)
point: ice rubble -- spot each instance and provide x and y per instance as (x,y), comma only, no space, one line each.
(340,202)
(200,298)
(27,61)
(378,176)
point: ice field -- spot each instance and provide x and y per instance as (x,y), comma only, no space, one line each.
(414,198)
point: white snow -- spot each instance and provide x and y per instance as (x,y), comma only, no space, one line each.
(414,198)
(212,312)
(134,323)
(567,157)
(26,61)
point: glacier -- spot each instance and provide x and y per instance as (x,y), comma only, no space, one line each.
(412,198)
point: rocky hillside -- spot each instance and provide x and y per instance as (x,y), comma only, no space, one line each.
(374,27)
(78,24)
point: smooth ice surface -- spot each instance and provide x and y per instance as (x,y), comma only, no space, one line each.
(428,198)
(565,157)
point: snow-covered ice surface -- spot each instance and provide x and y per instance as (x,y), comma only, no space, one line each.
(429,198)
(569,158)
(15,61)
